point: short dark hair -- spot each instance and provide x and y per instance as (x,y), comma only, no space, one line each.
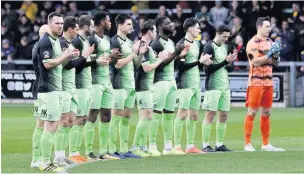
(148,25)
(261,20)
(160,20)
(121,18)
(53,14)
(69,22)
(99,16)
(189,22)
(84,20)
(222,28)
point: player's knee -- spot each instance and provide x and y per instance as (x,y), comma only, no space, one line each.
(127,113)
(252,112)
(223,116)
(182,114)
(266,112)
(39,123)
(84,120)
(105,116)
(194,116)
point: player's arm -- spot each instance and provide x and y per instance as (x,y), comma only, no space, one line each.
(230,66)
(46,51)
(253,53)
(148,67)
(141,48)
(121,62)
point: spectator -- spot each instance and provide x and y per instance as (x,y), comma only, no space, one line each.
(42,18)
(265,8)
(302,67)
(73,9)
(183,4)
(205,38)
(162,11)
(238,29)
(135,20)
(219,14)
(48,7)
(178,20)
(299,29)
(24,27)
(34,35)
(253,14)
(207,28)
(30,10)
(7,51)
(274,28)
(295,13)
(240,48)
(204,13)
(287,37)
(232,13)
(24,49)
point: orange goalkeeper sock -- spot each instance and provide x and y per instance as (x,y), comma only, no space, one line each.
(265,128)
(248,126)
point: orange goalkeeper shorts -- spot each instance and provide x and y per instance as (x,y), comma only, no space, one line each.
(257,96)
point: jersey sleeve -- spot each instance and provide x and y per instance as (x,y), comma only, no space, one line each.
(208,49)
(92,41)
(64,45)
(252,50)
(157,46)
(45,49)
(78,44)
(114,43)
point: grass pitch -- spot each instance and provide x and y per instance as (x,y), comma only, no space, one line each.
(287,131)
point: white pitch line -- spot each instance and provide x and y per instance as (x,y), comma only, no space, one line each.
(66,168)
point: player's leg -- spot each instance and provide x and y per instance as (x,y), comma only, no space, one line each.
(76,134)
(145,104)
(59,138)
(105,118)
(159,93)
(224,108)
(167,121)
(183,103)
(195,104)
(50,114)
(210,104)
(89,130)
(253,103)
(266,104)
(36,138)
(119,97)
(124,124)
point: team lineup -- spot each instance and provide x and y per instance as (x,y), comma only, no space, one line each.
(82,73)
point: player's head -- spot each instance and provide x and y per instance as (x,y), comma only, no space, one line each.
(55,22)
(263,26)
(192,27)
(86,24)
(70,25)
(124,23)
(222,33)
(102,18)
(164,24)
(149,29)
(43,29)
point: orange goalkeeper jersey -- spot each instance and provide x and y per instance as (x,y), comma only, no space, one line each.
(259,75)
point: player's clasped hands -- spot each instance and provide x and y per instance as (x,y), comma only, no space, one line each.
(87,52)
(231,57)
(185,51)
(103,60)
(71,54)
(205,59)
(164,55)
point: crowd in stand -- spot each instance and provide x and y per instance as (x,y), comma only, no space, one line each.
(21,22)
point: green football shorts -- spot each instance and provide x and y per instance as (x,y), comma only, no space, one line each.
(215,100)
